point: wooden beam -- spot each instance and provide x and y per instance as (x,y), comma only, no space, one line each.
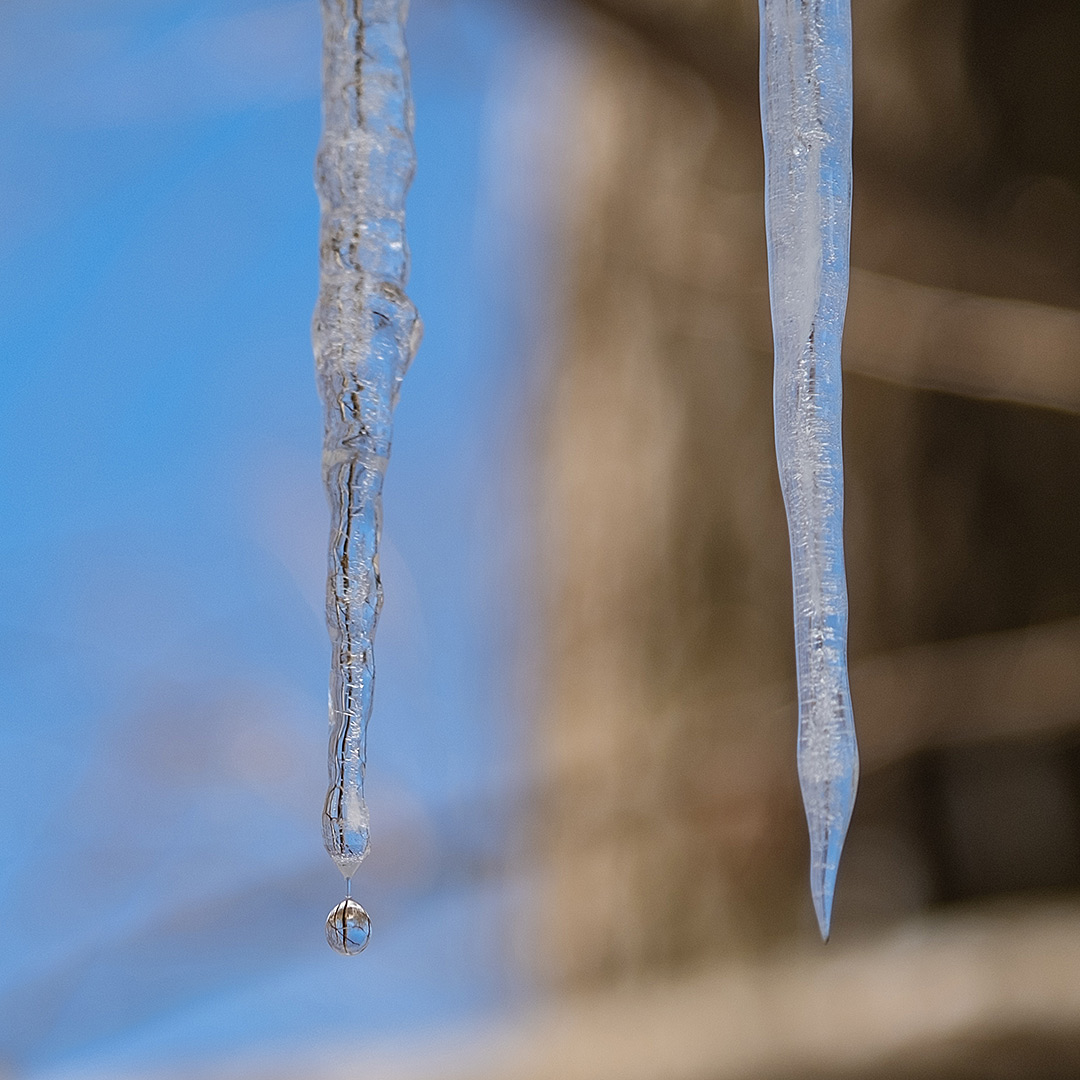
(1013,684)
(941,993)
(979,346)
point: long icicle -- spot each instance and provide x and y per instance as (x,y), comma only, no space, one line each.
(365,331)
(806,121)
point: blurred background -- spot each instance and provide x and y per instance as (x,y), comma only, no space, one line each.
(589,858)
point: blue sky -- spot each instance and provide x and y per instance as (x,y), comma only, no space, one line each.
(163,670)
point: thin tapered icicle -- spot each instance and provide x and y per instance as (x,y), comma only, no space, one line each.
(365,332)
(806,121)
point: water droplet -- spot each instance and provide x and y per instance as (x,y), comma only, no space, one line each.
(348,928)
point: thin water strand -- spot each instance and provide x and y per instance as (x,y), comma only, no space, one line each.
(806,122)
(365,332)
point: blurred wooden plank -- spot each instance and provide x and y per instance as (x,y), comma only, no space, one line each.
(1013,684)
(979,346)
(944,992)
(963,339)
(717,39)
(671,827)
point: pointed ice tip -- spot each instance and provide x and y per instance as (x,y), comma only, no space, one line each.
(828,814)
(823,910)
(823,867)
(822,887)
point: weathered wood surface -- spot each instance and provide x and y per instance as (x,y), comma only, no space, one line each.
(669,827)
(992,994)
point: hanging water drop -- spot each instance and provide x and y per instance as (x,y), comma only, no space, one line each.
(806,122)
(365,332)
(348,928)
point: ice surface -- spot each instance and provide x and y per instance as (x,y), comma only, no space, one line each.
(365,332)
(806,121)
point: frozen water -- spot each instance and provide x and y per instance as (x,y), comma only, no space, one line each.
(806,121)
(365,332)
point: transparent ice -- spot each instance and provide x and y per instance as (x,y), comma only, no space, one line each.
(806,122)
(365,332)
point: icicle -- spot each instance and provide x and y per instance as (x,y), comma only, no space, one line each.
(806,120)
(365,332)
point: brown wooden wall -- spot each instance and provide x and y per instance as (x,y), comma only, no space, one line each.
(669,825)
